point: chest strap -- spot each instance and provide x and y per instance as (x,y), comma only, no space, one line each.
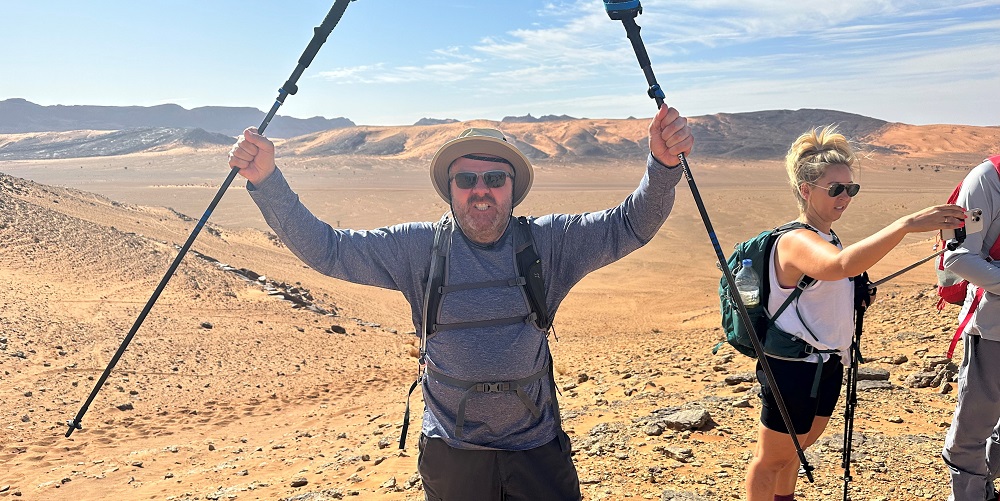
(513,282)
(493,322)
(470,387)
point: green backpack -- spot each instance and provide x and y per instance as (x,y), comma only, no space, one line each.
(757,249)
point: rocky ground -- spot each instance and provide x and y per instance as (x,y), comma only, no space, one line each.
(254,377)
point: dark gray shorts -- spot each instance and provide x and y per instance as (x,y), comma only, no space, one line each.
(544,473)
(795,380)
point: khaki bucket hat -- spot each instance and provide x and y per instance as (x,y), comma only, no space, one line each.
(484,142)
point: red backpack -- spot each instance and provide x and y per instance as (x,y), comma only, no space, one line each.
(953,289)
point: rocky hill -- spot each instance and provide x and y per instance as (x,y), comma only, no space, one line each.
(79,144)
(19,116)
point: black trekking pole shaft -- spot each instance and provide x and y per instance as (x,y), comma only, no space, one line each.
(908,268)
(627,16)
(851,402)
(849,430)
(320,35)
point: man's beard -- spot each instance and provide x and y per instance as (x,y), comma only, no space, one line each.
(477,229)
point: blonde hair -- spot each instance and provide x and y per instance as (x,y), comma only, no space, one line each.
(812,153)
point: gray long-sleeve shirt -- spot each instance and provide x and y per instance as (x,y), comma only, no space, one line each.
(980,190)
(398,257)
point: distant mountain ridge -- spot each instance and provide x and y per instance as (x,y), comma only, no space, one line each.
(751,136)
(21,116)
(530,119)
(760,135)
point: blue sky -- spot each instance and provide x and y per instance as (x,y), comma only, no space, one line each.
(392,62)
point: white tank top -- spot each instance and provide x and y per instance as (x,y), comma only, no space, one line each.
(827,308)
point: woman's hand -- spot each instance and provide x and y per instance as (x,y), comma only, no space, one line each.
(938,217)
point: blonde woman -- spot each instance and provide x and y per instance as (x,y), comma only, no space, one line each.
(808,345)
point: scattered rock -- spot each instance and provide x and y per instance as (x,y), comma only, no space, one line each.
(743,377)
(874,385)
(687,420)
(872,374)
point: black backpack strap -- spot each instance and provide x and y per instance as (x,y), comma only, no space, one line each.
(804,281)
(529,266)
(513,282)
(435,277)
(494,322)
(529,271)
(529,276)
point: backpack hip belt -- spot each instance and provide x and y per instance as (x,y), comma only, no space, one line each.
(470,387)
(780,344)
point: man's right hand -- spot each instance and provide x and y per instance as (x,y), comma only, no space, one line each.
(669,136)
(253,155)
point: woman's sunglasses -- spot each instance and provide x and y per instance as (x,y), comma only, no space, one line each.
(835,189)
(491,178)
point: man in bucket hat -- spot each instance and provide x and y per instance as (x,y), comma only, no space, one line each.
(491,428)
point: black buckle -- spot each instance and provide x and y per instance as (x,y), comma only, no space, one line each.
(493,387)
(804,282)
(516,282)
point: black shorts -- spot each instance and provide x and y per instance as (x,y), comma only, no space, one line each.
(544,473)
(795,382)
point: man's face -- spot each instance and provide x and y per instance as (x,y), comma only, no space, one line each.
(481,211)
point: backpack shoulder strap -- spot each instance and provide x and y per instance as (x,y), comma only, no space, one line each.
(435,276)
(805,280)
(432,300)
(529,266)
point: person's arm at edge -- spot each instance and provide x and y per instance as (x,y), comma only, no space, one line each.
(968,259)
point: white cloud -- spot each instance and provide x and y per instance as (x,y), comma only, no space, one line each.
(381,74)
(715,55)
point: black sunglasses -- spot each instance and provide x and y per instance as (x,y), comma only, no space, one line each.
(491,178)
(835,189)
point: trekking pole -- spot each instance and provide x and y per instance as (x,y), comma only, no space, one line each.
(626,11)
(908,268)
(849,405)
(320,34)
(863,290)
(950,246)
